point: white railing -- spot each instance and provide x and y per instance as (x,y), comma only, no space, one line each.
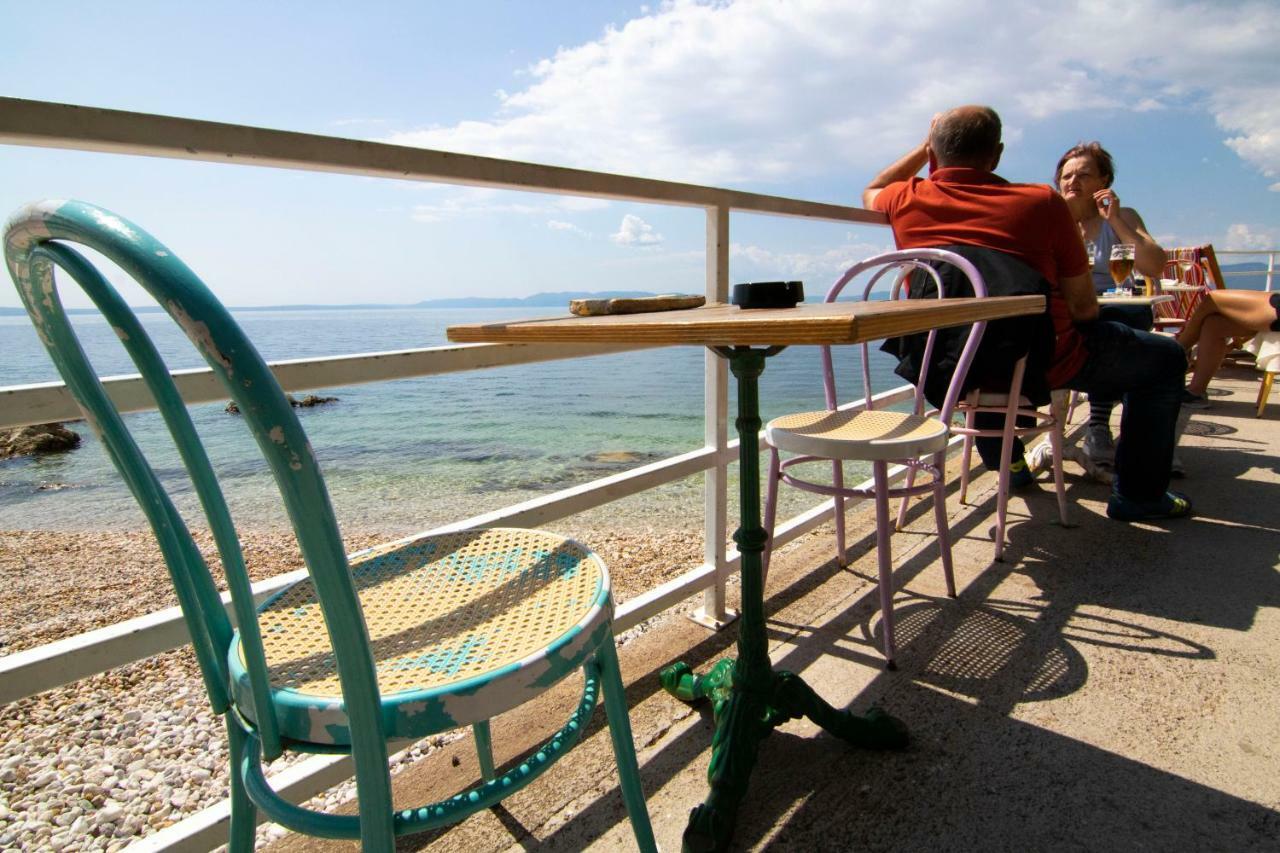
(35,123)
(1270,254)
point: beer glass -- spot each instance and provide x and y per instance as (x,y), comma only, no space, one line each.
(1122,266)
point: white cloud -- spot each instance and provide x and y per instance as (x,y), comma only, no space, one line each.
(581,204)
(560,225)
(757,91)
(457,203)
(819,268)
(634,231)
(1242,236)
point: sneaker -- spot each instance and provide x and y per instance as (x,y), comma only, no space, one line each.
(1194,401)
(1040,457)
(1020,475)
(1169,505)
(1099,448)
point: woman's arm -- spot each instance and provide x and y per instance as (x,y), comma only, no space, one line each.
(1149,256)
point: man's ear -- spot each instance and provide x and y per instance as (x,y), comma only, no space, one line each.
(933,161)
(995,161)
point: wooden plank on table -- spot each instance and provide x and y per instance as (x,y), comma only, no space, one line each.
(634,304)
(726,325)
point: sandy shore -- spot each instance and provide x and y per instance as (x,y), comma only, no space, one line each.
(99,763)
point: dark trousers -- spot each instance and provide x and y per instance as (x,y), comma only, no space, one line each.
(1143,370)
(1138,317)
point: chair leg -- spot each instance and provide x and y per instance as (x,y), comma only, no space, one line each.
(624,748)
(1057,441)
(484,749)
(770,511)
(901,521)
(837,480)
(884,555)
(1264,392)
(940,519)
(965,453)
(244,814)
(1074,401)
(1006,459)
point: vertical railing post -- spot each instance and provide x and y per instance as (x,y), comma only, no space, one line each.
(1271,270)
(715,431)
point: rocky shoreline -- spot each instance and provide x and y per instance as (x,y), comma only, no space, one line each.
(102,762)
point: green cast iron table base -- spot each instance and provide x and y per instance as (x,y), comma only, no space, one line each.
(748,698)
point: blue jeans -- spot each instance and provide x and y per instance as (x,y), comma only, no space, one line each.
(1146,372)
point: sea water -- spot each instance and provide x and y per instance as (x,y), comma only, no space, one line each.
(409,454)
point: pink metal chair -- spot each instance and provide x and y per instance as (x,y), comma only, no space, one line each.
(835,435)
(1013,405)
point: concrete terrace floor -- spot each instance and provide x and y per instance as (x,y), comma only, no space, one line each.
(1108,687)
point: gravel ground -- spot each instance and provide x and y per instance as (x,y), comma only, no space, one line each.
(107,760)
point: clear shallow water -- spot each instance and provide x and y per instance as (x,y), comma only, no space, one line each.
(400,455)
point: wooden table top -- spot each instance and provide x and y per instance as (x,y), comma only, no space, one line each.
(1136,299)
(718,324)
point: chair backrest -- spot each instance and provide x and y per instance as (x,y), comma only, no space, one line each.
(1196,266)
(35,241)
(903,263)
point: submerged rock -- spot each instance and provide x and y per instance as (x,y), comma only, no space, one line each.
(305,403)
(41,438)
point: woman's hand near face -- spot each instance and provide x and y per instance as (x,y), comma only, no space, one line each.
(1108,204)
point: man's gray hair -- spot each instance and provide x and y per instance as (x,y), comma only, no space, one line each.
(966,136)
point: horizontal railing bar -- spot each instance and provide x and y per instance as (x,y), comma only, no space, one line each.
(48,402)
(1239,273)
(50,125)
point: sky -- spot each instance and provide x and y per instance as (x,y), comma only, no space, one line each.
(805,99)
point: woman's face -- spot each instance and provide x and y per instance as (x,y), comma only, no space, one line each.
(1079,181)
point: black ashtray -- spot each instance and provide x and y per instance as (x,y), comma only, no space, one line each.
(767,294)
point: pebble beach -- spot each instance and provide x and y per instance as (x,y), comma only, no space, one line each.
(100,763)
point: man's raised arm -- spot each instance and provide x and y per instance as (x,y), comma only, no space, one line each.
(900,170)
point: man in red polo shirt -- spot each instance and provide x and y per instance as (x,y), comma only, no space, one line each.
(963,202)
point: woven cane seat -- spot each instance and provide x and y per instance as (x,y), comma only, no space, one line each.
(463,626)
(857,434)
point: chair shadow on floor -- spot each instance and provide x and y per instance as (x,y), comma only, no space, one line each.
(968,664)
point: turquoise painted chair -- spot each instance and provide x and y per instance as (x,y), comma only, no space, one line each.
(394,643)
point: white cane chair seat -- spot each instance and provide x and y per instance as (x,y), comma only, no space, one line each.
(857,434)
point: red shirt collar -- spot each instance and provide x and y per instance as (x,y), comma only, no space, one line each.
(965,175)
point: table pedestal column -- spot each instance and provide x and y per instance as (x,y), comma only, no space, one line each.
(748,697)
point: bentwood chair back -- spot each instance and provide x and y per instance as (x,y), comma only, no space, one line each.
(827,438)
(395,643)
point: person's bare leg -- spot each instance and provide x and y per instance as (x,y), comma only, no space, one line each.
(1215,335)
(1249,311)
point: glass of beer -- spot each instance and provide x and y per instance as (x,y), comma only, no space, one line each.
(1122,266)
